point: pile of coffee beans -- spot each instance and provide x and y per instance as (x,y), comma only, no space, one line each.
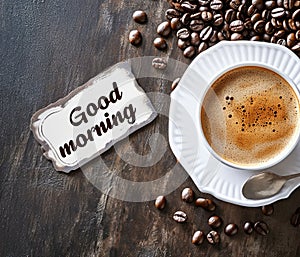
(199,24)
(216,222)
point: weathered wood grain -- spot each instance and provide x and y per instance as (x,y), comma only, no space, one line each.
(48,48)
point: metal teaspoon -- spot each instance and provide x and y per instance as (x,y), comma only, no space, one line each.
(264,185)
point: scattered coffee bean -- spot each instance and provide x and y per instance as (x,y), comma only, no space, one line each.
(261,228)
(183,44)
(183,34)
(160,43)
(175,83)
(172,13)
(140,17)
(164,29)
(175,24)
(213,237)
(215,221)
(291,40)
(159,63)
(189,52)
(180,216)
(187,195)
(206,33)
(231,229)
(236,36)
(198,237)
(216,5)
(160,202)
(267,209)
(278,12)
(135,37)
(195,39)
(185,19)
(295,219)
(206,16)
(248,227)
(206,204)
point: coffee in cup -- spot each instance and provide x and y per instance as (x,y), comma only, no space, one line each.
(250,117)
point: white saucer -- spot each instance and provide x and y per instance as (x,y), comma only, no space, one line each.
(210,175)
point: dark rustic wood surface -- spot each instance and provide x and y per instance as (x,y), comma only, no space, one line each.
(48,48)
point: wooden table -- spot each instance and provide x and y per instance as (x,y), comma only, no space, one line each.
(48,48)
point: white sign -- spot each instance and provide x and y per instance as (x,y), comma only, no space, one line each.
(92,118)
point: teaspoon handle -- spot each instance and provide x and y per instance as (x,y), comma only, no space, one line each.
(288,177)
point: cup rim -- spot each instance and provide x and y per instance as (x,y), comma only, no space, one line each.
(282,154)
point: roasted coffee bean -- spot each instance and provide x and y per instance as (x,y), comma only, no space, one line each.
(240,16)
(234,4)
(270,4)
(195,39)
(187,194)
(175,83)
(266,37)
(164,29)
(296,48)
(135,37)
(221,36)
(295,219)
(236,26)
(202,47)
(259,26)
(160,43)
(214,37)
(172,13)
(248,24)
(215,221)
(139,16)
(255,18)
(198,237)
(204,2)
(278,12)
(188,6)
(203,8)
(196,25)
(216,5)
(279,3)
(243,8)
(296,15)
(291,40)
(273,40)
(206,204)
(175,24)
(248,227)
(269,28)
(297,4)
(159,63)
(259,4)
(276,23)
(266,15)
(183,34)
(196,16)
(213,237)
(183,44)
(226,32)
(180,216)
(288,4)
(189,52)
(255,38)
(267,209)
(231,229)
(261,228)
(206,33)
(279,33)
(297,24)
(236,36)
(292,24)
(160,202)
(185,19)
(206,16)
(251,10)
(230,15)
(281,42)
(286,26)
(218,19)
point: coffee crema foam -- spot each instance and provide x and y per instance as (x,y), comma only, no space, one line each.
(250,115)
